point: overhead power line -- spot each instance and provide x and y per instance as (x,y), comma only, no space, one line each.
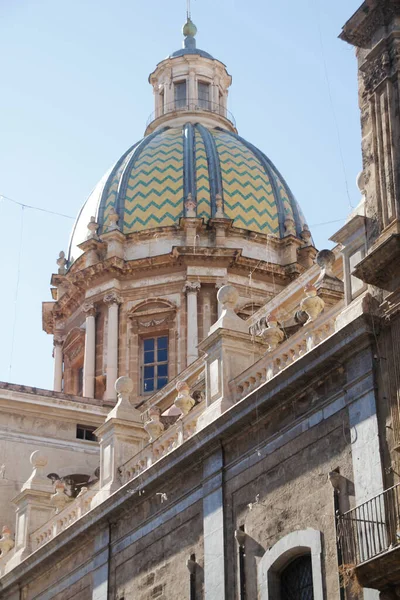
(50,212)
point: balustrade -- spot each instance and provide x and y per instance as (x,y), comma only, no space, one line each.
(170,439)
(71,513)
(273,362)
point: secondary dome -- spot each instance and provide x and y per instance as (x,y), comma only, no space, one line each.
(147,187)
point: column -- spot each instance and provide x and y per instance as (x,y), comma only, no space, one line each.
(90,350)
(113,301)
(218,286)
(191,288)
(213,527)
(192,95)
(58,365)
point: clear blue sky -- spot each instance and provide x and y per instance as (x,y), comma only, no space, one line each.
(74,96)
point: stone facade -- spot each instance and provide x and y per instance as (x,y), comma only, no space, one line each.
(253,443)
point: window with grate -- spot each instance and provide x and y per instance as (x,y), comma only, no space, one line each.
(296,580)
(155,363)
(180,94)
(203,90)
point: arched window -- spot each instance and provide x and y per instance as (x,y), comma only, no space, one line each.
(296,581)
(292,568)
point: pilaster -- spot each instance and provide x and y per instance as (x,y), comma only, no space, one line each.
(112,300)
(90,350)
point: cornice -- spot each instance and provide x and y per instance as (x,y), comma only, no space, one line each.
(372,14)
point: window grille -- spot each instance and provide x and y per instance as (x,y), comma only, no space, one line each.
(296,580)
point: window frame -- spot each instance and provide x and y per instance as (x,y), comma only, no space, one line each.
(180,102)
(156,336)
(292,545)
(201,102)
(88,429)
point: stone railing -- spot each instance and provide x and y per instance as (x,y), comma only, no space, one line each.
(272,363)
(164,398)
(169,439)
(71,513)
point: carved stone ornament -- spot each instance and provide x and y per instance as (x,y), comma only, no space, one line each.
(184,402)
(190,206)
(272,334)
(306,235)
(325,260)
(57,341)
(62,263)
(6,541)
(154,427)
(92,229)
(59,499)
(89,309)
(219,203)
(192,286)
(313,305)
(112,298)
(375,71)
(152,323)
(290,226)
(112,220)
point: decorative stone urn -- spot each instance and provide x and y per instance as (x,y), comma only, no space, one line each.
(184,401)
(113,219)
(219,203)
(92,229)
(306,235)
(59,499)
(290,226)
(272,334)
(154,427)
(313,305)
(190,206)
(325,260)
(6,541)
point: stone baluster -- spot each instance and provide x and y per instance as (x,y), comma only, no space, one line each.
(112,300)
(90,350)
(192,288)
(58,364)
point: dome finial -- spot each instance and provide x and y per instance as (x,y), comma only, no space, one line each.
(189,30)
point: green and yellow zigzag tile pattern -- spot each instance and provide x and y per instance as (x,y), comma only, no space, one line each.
(248,195)
(111,198)
(154,195)
(202,180)
(148,183)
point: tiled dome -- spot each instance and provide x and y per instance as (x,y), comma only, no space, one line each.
(147,187)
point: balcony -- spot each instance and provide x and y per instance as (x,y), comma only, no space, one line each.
(180,108)
(369,536)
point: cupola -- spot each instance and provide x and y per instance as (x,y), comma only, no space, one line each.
(190,86)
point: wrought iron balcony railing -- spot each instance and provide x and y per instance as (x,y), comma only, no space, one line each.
(197,105)
(371,528)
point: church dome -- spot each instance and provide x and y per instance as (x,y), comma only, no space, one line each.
(149,184)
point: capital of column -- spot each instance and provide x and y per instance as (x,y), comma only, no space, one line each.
(58,342)
(112,298)
(192,287)
(89,309)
